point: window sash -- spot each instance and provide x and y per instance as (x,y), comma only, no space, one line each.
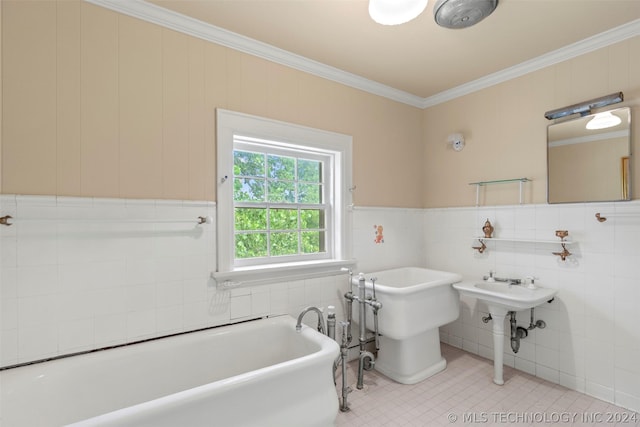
(323,229)
(325,182)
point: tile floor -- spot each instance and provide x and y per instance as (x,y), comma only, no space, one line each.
(464,394)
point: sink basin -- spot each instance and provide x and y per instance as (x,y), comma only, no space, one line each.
(510,297)
(501,298)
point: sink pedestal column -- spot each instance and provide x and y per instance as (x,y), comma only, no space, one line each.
(498,316)
(500,300)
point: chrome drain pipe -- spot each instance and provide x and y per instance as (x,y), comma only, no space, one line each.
(517,333)
(361,366)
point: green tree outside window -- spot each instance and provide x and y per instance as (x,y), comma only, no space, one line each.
(278,205)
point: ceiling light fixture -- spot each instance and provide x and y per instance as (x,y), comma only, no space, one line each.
(395,12)
(603,120)
(462,13)
(584,108)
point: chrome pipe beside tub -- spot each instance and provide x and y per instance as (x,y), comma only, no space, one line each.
(366,358)
(344,350)
(375,305)
(361,312)
(331,322)
(349,297)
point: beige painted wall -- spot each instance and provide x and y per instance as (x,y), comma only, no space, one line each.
(101,104)
(0,98)
(505,128)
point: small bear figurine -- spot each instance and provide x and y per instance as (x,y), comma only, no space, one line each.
(379,236)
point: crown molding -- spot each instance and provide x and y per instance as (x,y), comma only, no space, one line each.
(582,47)
(158,15)
(196,28)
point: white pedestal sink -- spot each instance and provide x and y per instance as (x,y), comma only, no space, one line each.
(501,298)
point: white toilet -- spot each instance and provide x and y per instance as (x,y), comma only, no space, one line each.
(415,303)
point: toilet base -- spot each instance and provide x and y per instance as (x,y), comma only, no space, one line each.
(411,360)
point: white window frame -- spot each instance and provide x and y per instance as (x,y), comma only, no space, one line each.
(337,147)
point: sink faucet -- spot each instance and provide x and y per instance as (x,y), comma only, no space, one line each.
(492,278)
(510,282)
(320,319)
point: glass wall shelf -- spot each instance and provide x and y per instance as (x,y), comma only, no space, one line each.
(498,181)
(563,254)
(515,239)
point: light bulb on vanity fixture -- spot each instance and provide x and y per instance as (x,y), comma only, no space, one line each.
(603,120)
(395,12)
(456,140)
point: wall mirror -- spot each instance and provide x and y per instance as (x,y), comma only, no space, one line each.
(586,164)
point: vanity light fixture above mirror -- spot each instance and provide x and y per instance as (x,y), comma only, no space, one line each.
(584,108)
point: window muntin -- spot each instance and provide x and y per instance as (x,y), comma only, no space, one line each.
(282,202)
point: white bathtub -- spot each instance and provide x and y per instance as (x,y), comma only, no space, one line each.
(415,303)
(258,373)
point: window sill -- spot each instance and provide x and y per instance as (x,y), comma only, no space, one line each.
(248,276)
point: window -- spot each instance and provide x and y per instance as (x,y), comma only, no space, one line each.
(280,203)
(282,197)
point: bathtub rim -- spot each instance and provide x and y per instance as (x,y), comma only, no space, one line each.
(448,278)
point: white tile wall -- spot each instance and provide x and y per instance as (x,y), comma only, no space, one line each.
(84,273)
(70,286)
(402,245)
(591,343)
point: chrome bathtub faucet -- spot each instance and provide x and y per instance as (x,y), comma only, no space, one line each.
(320,319)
